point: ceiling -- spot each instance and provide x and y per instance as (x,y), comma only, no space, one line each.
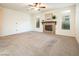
(24,8)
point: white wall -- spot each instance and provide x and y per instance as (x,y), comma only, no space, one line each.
(77,22)
(1,20)
(59,14)
(15,22)
(59,19)
(27,22)
(40,29)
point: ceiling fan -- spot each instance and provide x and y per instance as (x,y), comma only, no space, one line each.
(37,6)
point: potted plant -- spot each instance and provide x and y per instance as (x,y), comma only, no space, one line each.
(53,17)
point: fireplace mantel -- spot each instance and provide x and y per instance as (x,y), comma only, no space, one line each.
(48,22)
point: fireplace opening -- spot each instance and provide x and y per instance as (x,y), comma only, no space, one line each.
(48,27)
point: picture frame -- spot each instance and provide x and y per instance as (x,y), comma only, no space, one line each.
(48,16)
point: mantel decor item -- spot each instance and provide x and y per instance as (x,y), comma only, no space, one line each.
(48,16)
(54,17)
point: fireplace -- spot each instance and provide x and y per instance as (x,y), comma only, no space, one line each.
(49,26)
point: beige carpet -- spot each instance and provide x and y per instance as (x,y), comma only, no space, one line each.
(38,44)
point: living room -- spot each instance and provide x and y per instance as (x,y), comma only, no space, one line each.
(43,24)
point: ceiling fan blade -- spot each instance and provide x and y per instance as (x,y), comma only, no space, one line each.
(30,5)
(42,7)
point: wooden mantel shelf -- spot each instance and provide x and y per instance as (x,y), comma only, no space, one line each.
(48,22)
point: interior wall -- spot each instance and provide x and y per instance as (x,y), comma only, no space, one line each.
(41,17)
(15,22)
(77,22)
(59,19)
(1,20)
(59,14)
(33,22)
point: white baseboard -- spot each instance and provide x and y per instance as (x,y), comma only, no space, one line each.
(2,35)
(13,33)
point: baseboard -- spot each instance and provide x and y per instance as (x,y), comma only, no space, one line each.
(65,35)
(2,35)
(13,33)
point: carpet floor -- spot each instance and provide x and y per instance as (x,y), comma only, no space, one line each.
(38,44)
